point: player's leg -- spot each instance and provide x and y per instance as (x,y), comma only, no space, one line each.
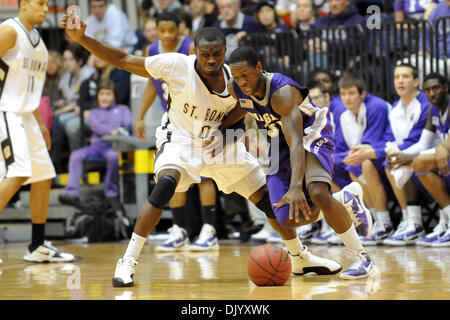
(40,250)
(303,261)
(341,211)
(424,167)
(411,227)
(8,188)
(207,239)
(148,218)
(371,173)
(401,196)
(178,236)
(41,179)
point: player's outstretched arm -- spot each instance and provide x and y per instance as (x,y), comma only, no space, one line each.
(285,102)
(109,54)
(9,37)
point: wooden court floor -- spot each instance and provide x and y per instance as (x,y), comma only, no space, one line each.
(402,273)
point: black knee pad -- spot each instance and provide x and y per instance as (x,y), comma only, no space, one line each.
(163,191)
(265,206)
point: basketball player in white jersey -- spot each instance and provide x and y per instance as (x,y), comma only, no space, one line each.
(198,102)
(25,140)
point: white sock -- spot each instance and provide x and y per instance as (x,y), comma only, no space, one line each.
(294,246)
(415,214)
(384,217)
(446,211)
(350,239)
(405,214)
(135,246)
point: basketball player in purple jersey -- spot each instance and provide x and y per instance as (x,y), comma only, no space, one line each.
(305,137)
(431,165)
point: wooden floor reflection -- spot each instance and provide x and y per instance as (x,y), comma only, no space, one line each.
(402,273)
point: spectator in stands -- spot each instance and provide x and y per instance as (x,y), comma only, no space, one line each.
(166,6)
(109,24)
(341,13)
(51,86)
(407,121)
(285,10)
(442,10)
(431,165)
(412,9)
(103,72)
(201,18)
(305,15)
(146,36)
(267,17)
(319,95)
(185,26)
(109,118)
(234,24)
(68,121)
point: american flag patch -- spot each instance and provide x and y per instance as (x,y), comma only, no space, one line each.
(246,103)
(435,121)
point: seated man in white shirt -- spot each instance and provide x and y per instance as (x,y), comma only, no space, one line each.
(407,121)
(110,25)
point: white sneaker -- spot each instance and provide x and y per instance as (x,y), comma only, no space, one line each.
(352,199)
(305,262)
(207,239)
(1,261)
(178,240)
(361,267)
(48,253)
(125,269)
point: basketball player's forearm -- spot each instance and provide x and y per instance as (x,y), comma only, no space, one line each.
(297,160)
(235,115)
(114,56)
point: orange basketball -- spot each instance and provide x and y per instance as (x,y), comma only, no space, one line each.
(269,265)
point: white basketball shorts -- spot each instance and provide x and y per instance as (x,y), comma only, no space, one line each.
(233,169)
(23,149)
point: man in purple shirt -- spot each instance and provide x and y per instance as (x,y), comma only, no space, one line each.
(412,9)
(108,119)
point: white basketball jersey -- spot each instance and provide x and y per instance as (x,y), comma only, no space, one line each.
(192,107)
(23,70)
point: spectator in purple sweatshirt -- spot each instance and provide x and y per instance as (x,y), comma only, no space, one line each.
(412,9)
(108,119)
(341,13)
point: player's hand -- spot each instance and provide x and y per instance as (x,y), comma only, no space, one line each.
(140,130)
(442,157)
(297,203)
(399,159)
(75,28)
(46,135)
